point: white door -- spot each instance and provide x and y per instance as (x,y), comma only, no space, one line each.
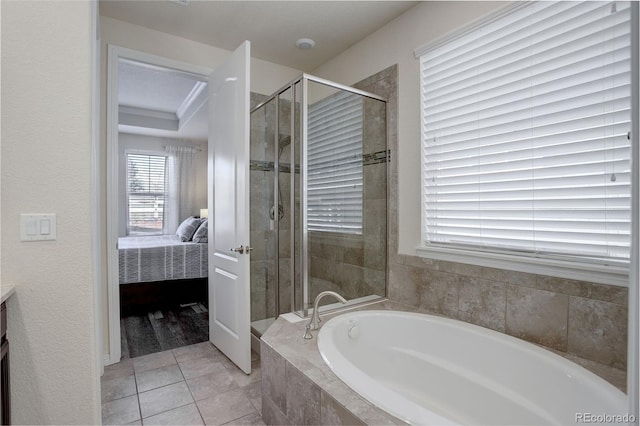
(229,304)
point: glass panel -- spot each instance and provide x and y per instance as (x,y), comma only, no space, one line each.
(346,191)
(296,188)
(284,205)
(347,194)
(375,166)
(261,199)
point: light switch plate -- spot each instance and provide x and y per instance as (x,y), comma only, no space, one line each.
(38,227)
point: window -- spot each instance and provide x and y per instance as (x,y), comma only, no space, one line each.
(146,194)
(525,123)
(335,164)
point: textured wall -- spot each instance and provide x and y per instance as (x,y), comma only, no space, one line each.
(46,168)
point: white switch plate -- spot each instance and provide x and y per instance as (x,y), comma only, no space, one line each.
(37,227)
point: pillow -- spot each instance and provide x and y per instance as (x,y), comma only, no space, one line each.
(187,228)
(202,233)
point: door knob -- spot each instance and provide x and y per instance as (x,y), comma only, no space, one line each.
(242,249)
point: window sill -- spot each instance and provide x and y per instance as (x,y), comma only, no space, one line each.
(602,274)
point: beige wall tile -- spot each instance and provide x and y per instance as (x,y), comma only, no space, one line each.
(537,316)
(438,291)
(403,287)
(606,293)
(598,331)
(303,398)
(271,413)
(491,274)
(333,413)
(273,376)
(482,302)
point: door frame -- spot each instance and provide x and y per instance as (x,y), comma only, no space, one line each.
(114,54)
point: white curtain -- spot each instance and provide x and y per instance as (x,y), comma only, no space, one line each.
(181,192)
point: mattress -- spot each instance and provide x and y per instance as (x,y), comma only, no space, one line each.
(160,258)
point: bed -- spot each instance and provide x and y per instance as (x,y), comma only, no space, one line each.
(160,258)
(160,270)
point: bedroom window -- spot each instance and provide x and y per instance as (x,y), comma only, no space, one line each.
(146,194)
(335,164)
(525,148)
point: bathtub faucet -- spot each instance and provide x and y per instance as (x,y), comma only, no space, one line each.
(314,322)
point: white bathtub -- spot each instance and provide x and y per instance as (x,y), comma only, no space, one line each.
(429,370)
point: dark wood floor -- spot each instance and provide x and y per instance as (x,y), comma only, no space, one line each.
(149,331)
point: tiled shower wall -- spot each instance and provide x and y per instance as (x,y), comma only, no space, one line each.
(585,319)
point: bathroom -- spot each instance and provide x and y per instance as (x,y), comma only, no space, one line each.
(294,259)
(575,315)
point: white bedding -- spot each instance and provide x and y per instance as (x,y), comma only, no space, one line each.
(160,258)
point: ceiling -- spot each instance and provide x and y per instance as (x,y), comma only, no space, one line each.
(156,101)
(272,26)
(161,102)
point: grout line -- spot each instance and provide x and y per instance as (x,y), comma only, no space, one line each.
(198,408)
(566,349)
(135,379)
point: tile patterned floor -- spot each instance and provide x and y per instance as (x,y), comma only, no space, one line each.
(192,385)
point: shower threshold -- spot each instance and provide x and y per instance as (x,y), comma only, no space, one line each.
(259,327)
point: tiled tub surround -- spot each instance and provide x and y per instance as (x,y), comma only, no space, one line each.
(299,388)
(577,318)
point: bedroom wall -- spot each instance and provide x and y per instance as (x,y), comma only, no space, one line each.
(266,77)
(152,144)
(46,168)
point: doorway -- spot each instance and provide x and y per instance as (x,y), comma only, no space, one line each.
(157,130)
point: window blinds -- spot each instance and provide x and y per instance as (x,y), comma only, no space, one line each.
(146,193)
(334,179)
(525,125)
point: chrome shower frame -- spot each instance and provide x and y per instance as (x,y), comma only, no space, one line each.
(303,80)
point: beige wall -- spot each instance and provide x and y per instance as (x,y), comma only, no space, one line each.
(266,77)
(46,168)
(394,44)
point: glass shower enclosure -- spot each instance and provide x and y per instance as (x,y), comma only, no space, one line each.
(318,198)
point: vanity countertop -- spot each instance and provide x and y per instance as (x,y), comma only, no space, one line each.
(7,291)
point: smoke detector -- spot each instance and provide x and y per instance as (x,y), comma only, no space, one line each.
(305,43)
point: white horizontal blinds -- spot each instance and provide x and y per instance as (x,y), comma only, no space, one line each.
(525,123)
(335,164)
(146,193)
